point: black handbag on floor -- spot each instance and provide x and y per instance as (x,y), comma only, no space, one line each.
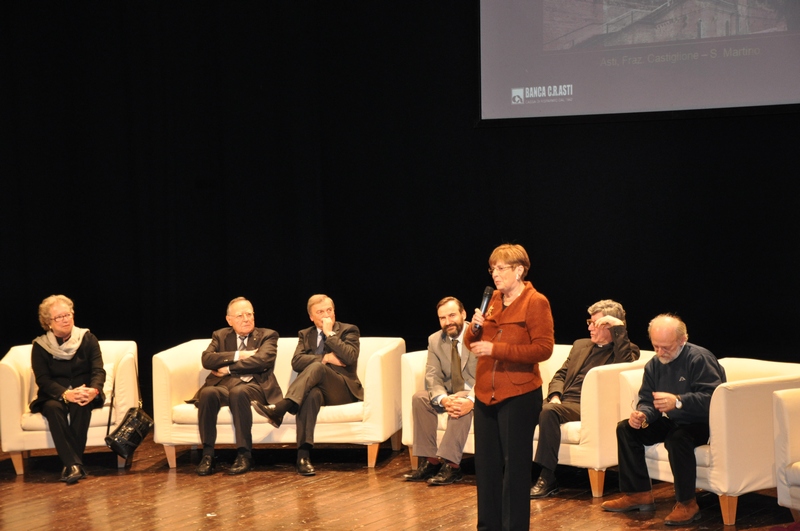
(130,433)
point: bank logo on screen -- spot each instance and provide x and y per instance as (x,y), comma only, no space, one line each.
(517,96)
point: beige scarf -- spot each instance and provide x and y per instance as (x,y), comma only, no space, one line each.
(66,350)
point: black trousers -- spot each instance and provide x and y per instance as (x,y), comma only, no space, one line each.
(550,420)
(680,442)
(503,459)
(317,385)
(69,425)
(236,394)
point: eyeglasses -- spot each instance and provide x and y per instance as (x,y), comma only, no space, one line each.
(499,268)
(592,323)
(243,316)
(63,317)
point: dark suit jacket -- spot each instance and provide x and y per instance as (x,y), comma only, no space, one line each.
(622,351)
(54,376)
(221,351)
(345,345)
(439,370)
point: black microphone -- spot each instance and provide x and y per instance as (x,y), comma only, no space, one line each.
(487,295)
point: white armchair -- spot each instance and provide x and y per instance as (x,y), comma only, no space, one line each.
(22,431)
(740,455)
(590,443)
(178,374)
(786,425)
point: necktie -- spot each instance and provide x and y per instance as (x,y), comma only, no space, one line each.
(321,343)
(243,346)
(455,367)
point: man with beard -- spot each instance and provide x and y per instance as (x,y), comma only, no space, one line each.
(449,379)
(674,400)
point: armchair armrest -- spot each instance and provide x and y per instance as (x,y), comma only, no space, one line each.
(382,391)
(177,375)
(601,408)
(786,426)
(741,441)
(12,398)
(412,378)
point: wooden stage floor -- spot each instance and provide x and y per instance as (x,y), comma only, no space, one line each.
(344,495)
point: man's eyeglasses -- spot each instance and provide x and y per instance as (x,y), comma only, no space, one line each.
(243,316)
(62,318)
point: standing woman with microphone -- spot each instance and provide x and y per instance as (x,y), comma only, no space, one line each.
(513,335)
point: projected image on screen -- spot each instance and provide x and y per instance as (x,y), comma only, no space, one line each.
(584,57)
(582,24)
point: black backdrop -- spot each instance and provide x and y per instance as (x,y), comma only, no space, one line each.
(161,158)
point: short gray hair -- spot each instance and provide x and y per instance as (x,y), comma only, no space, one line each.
(316,299)
(44,308)
(234,301)
(608,307)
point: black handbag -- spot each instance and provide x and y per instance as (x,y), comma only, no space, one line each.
(130,433)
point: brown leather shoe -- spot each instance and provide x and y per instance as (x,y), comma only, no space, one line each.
(683,513)
(642,501)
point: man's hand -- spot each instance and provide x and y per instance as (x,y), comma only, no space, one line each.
(222,371)
(608,321)
(331,359)
(555,399)
(637,420)
(244,354)
(327,325)
(457,406)
(664,402)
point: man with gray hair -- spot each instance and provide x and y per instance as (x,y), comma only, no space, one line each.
(326,363)
(673,406)
(241,359)
(607,343)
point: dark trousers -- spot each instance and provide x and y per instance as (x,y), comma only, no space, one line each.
(317,385)
(235,393)
(680,442)
(503,458)
(68,432)
(550,420)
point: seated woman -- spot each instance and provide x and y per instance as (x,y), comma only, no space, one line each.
(68,367)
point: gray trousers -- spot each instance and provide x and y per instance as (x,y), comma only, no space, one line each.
(426,422)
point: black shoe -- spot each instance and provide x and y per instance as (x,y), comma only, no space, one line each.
(241,465)
(543,489)
(73,474)
(447,475)
(64,473)
(268,412)
(206,466)
(304,467)
(425,470)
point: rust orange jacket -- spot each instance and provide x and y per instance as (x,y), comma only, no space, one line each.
(522,336)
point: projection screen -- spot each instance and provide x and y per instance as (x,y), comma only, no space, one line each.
(551,58)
